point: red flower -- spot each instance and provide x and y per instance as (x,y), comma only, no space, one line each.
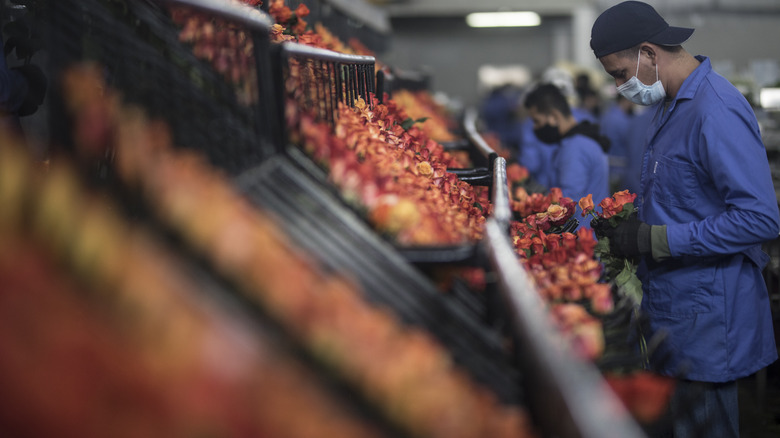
(555,194)
(516,173)
(301,11)
(609,207)
(624,197)
(586,240)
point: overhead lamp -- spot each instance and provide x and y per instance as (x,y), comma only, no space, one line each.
(503,19)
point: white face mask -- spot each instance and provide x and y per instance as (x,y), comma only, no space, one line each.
(639,93)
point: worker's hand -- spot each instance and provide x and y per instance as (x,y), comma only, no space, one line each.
(630,238)
(600,226)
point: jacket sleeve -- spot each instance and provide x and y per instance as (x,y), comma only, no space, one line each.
(730,147)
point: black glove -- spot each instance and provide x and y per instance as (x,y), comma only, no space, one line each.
(629,239)
(600,226)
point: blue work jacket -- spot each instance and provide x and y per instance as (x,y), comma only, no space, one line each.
(581,168)
(615,125)
(706,176)
(538,157)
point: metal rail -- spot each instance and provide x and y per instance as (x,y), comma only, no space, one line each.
(502,211)
(296,49)
(324,78)
(470,128)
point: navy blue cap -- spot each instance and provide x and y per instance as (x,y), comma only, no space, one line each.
(629,23)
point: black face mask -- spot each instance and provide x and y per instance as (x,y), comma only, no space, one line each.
(548,134)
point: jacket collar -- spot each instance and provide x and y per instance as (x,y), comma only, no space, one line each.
(692,82)
(664,110)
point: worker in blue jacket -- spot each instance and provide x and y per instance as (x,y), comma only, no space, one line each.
(706,205)
(579,160)
(535,155)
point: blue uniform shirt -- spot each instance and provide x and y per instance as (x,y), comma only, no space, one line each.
(636,141)
(537,157)
(706,176)
(581,168)
(615,125)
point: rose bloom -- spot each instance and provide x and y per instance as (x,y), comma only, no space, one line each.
(553,241)
(520,194)
(537,245)
(569,240)
(543,221)
(538,202)
(623,197)
(516,172)
(302,11)
(556,212)
(556,194)
(610,208)
(586,204)
(424,168)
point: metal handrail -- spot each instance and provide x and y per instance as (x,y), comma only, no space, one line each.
(502,211)
(568,397)
(319,54)
(333,77)
(470,126)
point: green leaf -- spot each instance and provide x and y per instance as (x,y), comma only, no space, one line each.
(628,283)
(602,248)
(409,122)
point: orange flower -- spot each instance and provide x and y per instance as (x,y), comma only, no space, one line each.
(301,11)
(624,197)
(516,173)
(586,240)
(424,168)
(520,194)
(586,204)
(556,194)
(553,241)
(557,213)
(569,240)
(537,245)
(609,207)
(542,221)
(281,13)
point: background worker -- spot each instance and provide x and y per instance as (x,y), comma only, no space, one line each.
(579,160)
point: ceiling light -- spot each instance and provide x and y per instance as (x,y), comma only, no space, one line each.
(503,19)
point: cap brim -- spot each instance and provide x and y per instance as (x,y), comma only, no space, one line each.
(671,36)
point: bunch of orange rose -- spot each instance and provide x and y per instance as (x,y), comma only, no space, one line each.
(421,105)
(225,45)
(547,210)
(566,276)
(619,270)
(288,24)
(564,267)
(398,175)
